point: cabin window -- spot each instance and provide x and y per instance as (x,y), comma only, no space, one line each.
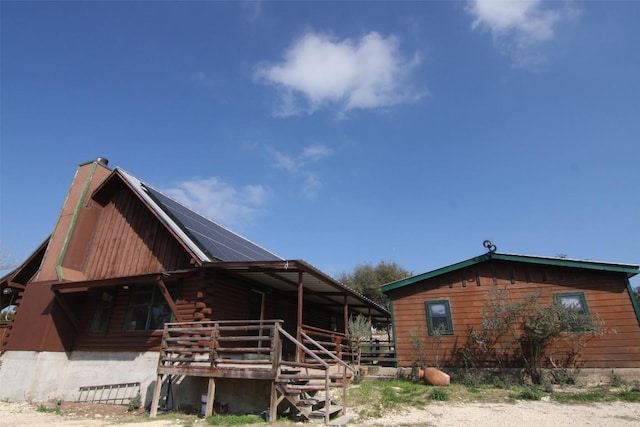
(576,301)
(439,317)
(148,310)
(102,315)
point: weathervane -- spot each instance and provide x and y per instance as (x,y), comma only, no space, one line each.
(490,246)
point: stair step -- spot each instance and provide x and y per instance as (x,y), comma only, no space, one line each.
(333,409)
(340,421)
(290,388)
(307,377)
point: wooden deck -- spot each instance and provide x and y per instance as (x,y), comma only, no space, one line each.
(252,349)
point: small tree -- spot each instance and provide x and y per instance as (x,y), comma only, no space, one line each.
(358,331)
(530,332)
(417,349)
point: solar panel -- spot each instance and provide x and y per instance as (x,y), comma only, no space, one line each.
(219,242)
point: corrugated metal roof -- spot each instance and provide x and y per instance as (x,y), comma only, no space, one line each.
(629,270)
(320,289)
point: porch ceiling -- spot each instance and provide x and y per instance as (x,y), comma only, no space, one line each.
(319,289)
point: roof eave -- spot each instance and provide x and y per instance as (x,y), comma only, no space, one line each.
(629,270)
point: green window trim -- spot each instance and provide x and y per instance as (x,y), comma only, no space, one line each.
(563,297)
(438,317)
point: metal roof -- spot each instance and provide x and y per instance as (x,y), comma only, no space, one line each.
(629,270)
(220,249)
(318,288)
(207,239)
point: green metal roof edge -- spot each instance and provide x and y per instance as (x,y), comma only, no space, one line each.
(417,278)
(629,269)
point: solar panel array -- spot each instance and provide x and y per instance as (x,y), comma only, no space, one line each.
(220,243)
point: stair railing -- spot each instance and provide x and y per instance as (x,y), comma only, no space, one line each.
(321,362)
(340,362)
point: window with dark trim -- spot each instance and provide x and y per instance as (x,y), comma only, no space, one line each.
(575,301)
(104,308)
(439,317)
(147,309)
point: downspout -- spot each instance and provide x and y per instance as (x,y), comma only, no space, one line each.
(634,301)
(76,213)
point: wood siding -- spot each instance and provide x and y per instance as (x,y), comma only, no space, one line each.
(200,299)
(129,240)
(468,289)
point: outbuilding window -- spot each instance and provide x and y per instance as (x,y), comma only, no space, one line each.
(147,309)
(573,300)
(577,302)
(439,317)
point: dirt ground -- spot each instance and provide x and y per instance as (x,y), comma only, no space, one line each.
(521,414)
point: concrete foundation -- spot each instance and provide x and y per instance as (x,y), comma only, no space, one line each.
(43,376)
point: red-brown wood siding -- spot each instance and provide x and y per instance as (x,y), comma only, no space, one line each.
(211,298)
(129,240)
(468,289)
(40,324)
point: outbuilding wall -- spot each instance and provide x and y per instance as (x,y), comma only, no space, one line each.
(468,289)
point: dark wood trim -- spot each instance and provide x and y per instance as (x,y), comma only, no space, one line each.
(169,300)
(67,310)
(17,285)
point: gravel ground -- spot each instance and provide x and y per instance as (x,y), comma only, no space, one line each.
(521,414)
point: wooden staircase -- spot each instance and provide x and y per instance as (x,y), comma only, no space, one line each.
(305,387)
(221,349)
(306,394)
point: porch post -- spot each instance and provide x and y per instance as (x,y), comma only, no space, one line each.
(211,394)
(155,400)
(299,356)
(346,315)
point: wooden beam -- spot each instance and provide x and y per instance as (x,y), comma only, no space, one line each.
(211,394)
(346,315)
(169,300)
(67,310)
(17,285)
(155,400)
(299,319)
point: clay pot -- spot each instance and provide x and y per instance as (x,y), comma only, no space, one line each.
(433,376)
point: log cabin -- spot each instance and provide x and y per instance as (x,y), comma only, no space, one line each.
(433,313)
(135,295)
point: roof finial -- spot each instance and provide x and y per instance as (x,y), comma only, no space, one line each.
(490,246)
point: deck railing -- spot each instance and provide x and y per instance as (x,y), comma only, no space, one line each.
(252,349)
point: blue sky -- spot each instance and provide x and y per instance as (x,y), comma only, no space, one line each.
(340,133)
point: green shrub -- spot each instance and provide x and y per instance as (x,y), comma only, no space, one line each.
(50,410)
(234,420)
(629,396)
(134,403)
(439,394)
(529,393)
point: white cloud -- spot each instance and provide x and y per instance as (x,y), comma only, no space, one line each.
(300,166)
(320,71)
(220,201)
(520,27)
